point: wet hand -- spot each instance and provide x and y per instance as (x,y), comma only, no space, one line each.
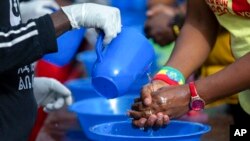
(147,89)
(167,103)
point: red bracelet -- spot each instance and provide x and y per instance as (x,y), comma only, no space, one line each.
(165,78)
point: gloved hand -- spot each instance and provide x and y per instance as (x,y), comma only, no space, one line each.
(50,93)
(36,8)
(95,16)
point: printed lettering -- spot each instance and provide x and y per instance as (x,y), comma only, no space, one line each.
(219,7)
(26,77)
(21,84)
(240,132)
(24,69)
(244,14)
(28,82)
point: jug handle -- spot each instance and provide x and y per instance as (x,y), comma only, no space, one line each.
(99,46)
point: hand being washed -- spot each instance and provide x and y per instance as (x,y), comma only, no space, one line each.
(162,105)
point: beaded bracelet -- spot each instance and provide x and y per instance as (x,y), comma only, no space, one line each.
(170,75)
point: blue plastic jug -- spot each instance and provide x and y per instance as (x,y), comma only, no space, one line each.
(118,65)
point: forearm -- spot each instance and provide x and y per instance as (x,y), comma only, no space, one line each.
(189,53)
(195,40)
(61,22)
(229,81)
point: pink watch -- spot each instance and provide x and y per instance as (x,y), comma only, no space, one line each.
(197,103)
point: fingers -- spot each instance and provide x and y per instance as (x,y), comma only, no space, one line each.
(135,115)
(136,106)
(113,27)
(108,37)
(151,121)
(118,19)
(158,120)
(54,105)
(146,95)
(68,100)
(59,88)
(140,123)
(166,119)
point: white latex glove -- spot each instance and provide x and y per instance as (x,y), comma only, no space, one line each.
(91,15)
(37,8)
(50,93)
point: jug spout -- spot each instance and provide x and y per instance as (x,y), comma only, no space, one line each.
(99,46)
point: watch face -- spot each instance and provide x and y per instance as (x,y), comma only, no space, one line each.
(197,104)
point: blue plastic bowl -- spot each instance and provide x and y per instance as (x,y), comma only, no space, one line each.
(87,58)
(81,89)
(100,110)
(125,131)
(68,44)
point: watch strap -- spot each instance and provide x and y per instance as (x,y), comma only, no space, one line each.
(197,103)
(192,89)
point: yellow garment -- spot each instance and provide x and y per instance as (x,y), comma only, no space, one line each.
(244,100)
(219,58)
(234,16)
(228,12)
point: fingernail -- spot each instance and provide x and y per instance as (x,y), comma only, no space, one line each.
(166,117)
(160,117)
(147,101)
(143,121)
(149,13)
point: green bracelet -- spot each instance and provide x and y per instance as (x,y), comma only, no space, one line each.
(173,74)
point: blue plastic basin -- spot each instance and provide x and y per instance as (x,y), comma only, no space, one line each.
(100,110)
(87,58)
(125,131)
(81,89)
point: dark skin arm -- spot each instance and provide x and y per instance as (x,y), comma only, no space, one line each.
(195,41)
(227,82)
(231,80)
(192,48)
(61,22)
(197,37)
